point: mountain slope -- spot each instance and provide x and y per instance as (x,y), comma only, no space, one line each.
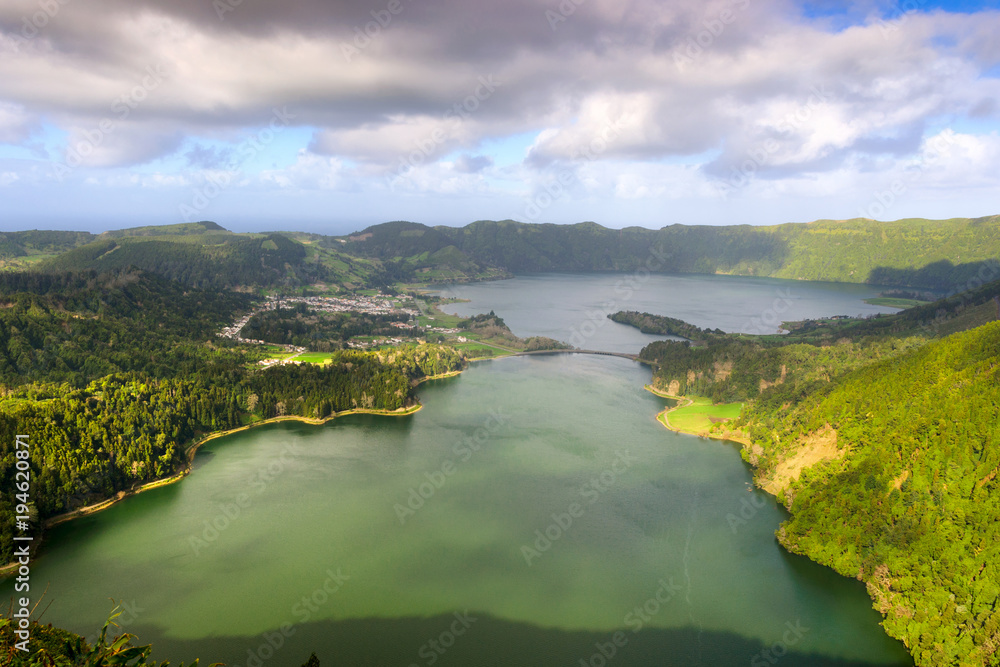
(212,260)
(927,254)
(882,437)
(910,502)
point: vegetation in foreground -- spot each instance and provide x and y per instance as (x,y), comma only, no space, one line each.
(53,647)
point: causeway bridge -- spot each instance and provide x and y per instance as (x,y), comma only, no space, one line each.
(623,355)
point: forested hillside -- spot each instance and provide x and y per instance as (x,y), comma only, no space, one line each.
(208,261)
(24,244)
(323,331)
(882,437)
(908,500)
(927,254)
(77,327)
(737,367)
(939,255)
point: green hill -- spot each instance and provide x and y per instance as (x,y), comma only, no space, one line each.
(179,229)
(927,254)
(882,437)
(904,495)
(943,255)
(20,250)
(212,260)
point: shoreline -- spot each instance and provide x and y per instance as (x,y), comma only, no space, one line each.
(441,376)
(192,449)
(683,402)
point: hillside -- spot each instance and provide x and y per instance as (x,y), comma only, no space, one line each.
(905,495)
(19,250)
(925,254)
(179,229)
(210,260)
(942,255)
(882,437)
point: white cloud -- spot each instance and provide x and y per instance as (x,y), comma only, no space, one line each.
(807,109)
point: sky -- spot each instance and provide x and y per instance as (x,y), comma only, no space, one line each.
(330,116)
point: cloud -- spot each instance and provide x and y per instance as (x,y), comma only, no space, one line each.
(472,164)
(16,125)
(789,91)
(106,144)
(208,157)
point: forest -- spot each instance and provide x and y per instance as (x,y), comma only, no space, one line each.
(663,326)
(213,260)
(903,414)
(323,331)
(913,253)
(911,505)
(114,375)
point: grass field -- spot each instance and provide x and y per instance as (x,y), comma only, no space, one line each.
(700,415)
(441,319)
(314,357)
(476,350)
(892,302)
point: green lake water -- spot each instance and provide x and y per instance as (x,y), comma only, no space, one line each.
(533,513)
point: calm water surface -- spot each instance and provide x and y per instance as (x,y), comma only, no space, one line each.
(533,513)
(574,307)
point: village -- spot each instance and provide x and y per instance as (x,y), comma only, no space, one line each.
(378,304)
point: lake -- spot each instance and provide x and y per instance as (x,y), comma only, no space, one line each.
(532,513)
(574,307)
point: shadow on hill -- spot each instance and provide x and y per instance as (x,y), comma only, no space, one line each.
(487,641)
(941,275)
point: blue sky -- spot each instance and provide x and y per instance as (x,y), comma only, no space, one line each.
(331,118)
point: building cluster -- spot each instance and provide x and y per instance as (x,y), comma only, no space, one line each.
(378,342)
(380,304)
